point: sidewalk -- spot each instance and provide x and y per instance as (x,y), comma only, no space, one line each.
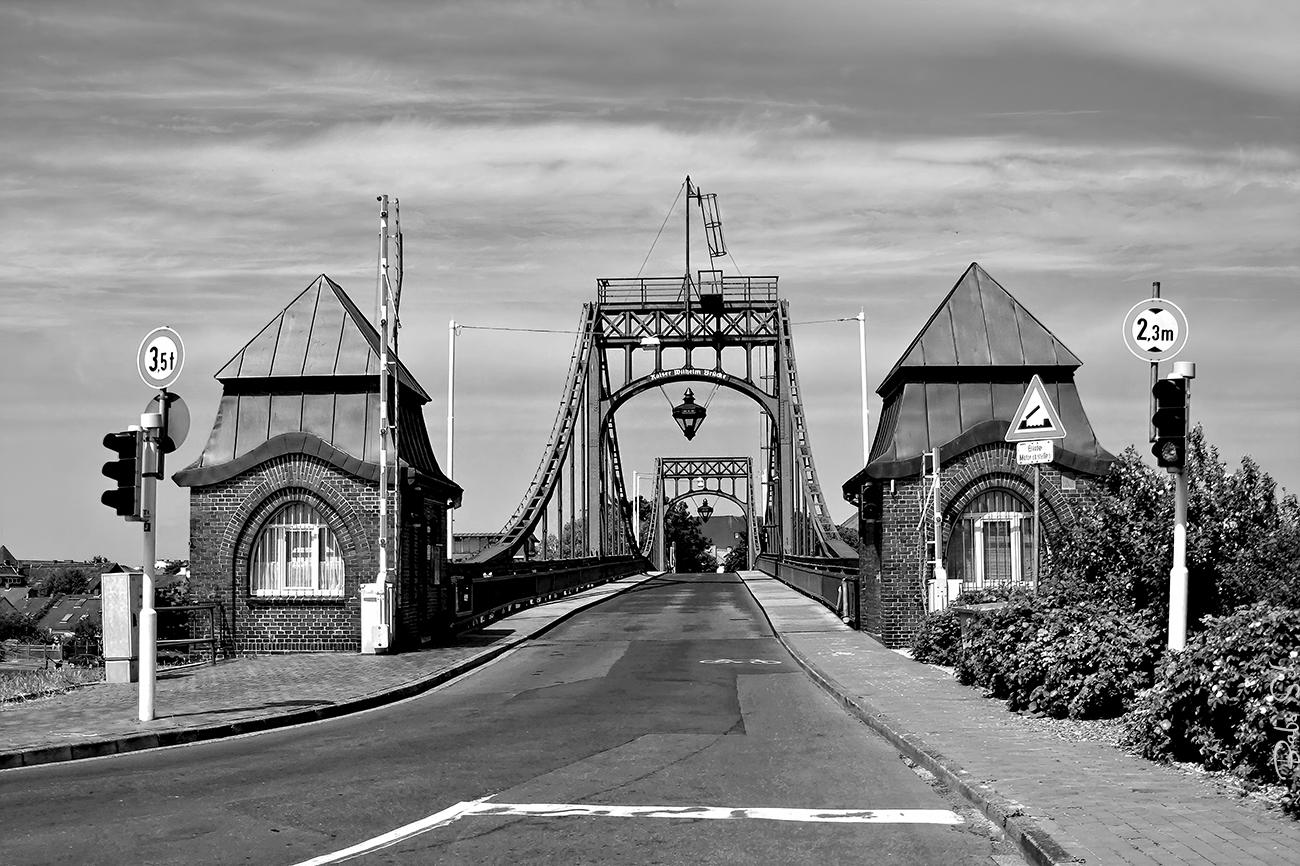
(253,694)
(1061,801)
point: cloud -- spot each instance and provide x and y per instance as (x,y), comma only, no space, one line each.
(198,165)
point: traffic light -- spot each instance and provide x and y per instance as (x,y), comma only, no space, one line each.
(1169,397)
(125,470)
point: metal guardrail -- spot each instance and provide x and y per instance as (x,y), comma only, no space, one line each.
(832,582)
(495,591)
(211,638)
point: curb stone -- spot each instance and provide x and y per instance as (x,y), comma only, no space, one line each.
(181,736)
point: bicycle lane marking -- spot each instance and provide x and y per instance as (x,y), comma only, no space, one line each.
(482,807)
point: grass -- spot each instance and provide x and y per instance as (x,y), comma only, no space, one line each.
(24,685)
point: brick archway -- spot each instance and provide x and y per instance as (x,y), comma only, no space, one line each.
(288,480)
(993,467)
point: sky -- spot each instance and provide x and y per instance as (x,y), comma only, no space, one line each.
(198,165)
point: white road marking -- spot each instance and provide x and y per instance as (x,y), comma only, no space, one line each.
(716,813)
(739,662)
(483,807)
(392,837)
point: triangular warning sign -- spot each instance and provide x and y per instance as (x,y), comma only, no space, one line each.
(1036,418)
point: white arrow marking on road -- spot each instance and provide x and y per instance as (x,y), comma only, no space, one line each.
(580,810)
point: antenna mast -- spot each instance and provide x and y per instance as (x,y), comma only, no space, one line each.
(386,316)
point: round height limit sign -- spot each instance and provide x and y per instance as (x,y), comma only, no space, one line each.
(1155,330)
(161,356)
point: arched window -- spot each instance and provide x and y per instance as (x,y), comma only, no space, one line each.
(296,554)
(992,542)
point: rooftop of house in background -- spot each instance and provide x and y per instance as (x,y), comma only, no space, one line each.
(68,612)
(722,530)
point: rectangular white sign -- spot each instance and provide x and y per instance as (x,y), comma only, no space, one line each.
(1035,451)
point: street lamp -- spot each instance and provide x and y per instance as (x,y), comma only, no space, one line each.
(689,415)
(706,511)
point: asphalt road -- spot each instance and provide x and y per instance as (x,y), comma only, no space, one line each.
(664,726)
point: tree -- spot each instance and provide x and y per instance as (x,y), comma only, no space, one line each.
(738,557)
(64,581)
(1243,543)
(19,626)
(569,544)
(683,529)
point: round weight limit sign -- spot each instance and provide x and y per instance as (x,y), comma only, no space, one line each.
(1155,329)
(161,357)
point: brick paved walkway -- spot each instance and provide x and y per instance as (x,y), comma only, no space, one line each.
(1095,801)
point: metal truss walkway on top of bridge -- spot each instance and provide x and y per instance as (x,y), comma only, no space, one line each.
(692,321)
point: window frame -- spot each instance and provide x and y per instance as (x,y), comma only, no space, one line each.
(282,566)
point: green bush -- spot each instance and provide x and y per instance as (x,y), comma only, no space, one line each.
(1071,661)
(1218,701)
(938,639)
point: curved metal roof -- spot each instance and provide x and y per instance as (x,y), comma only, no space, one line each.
(961,379)
(308,383)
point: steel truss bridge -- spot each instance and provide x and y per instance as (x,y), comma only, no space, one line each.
(730,331)
(730,478)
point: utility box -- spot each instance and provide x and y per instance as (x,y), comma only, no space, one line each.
(463,589)
(374,619)
(122,593)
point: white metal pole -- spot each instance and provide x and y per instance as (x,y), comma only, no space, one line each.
(862,356)
(451,425)
(1178,574)
(381,578)
(636,508)
(151,422)
(1037,535)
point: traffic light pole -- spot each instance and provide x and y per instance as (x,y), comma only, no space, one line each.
(152,465)
(1178,573)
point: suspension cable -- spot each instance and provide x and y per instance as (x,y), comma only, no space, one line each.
(661,227)
(459,326)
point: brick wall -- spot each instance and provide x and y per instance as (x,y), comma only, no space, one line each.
(893,577)
(225,519)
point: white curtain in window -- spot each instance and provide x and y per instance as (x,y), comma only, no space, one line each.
(296,554)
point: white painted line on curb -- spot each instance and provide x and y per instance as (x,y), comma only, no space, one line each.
(482,807)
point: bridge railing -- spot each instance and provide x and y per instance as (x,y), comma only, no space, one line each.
(493,591)
(653,291)
(833,582)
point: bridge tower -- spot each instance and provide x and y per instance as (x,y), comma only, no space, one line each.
(687,323)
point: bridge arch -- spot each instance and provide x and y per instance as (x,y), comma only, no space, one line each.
(689,374)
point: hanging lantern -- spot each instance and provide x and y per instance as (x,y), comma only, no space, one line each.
(706,511)
(688,415)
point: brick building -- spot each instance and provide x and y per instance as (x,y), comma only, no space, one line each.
(955,389)
(284,499)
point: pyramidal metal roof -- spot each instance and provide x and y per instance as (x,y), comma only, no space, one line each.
(320,333)
(977,326)
(959,383)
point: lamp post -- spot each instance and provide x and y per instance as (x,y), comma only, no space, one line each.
(452,330)
(689,415)
(862,357)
